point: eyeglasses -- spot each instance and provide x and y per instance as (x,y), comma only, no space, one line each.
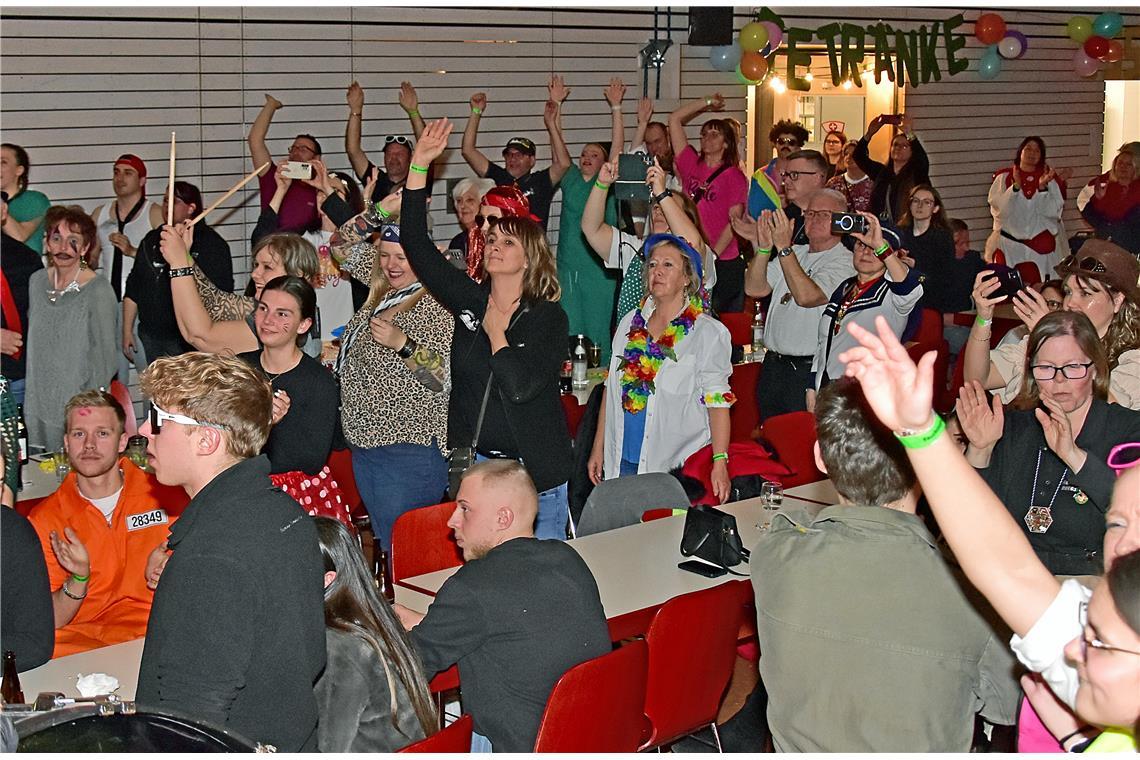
(1086,264)
(1094,642)
(1124,456)
(922,202)
(157,416)
(1043,372)
(1054,305)
(793,176)
(480,220)
(398,139)
(817,214)
(302,148)
(787,141)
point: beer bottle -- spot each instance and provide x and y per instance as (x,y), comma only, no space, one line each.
(10,689)
(386,589)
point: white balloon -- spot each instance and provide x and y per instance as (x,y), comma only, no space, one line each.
(1010,47)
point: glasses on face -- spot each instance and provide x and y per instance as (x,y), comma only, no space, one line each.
(809,215)
(793,175)
(1045,372)
(922,202)
(157,416)
(1053,304)
(1124,456)
(787,141)
(1089,639)
(302,148)
(481,220)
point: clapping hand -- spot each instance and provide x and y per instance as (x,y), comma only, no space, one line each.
(897,390)
(70,552)
(744,225)
(982,423)
(1058,430)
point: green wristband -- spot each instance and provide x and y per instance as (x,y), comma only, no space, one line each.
(923,438)
(883,248)
(412,113)
(80,579)
(476,111)
(721,457)
(382,212)
(764,251)
(980,322)
(600,186)
(418,169)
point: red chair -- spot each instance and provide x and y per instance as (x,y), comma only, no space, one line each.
(340,466)
(452,739)
(422,542)
(739,326)
(1030,273)
(597,706)
(941,363)
(929,328)
(692,649)
(793,437)
(573,411)
(744,415)
(123,395)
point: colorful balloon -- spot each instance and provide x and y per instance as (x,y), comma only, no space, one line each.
(743,79)
(753,66)
(1108,24)
(989,28)
(1115,51)
(1084,65)
(1020,38)
(775,33)
(1096,46)
(724,57)
(1079,29)
(989,65)
(1012,46)
(753,37)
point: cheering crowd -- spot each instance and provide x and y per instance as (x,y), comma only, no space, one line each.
(438,366)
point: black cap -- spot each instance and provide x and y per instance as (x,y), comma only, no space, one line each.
(521,144)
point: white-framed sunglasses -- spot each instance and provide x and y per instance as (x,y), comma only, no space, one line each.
(159,415)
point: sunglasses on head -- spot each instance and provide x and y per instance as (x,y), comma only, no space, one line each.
(398,139)
(1086,264)
(1124,456)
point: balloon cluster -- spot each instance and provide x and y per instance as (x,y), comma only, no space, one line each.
(990,29)
(748,55)
(1095,40)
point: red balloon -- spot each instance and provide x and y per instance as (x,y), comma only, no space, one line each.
(1115,51)
(989,28)
(753,66)
(1096,46)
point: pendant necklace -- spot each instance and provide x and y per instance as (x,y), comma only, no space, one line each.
(1040,519)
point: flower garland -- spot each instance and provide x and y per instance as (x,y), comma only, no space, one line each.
(642,358)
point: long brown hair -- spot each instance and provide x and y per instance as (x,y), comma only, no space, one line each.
(1052,325)
(937,219)
(730,130)
(540,280)
(1124,330)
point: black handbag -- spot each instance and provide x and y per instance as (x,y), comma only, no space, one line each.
(463,457)
(711,535)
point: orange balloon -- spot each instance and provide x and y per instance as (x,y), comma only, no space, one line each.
(753,66)
(1115,51)
(989,28)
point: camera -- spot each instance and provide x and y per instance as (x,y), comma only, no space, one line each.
(844,223)
(1009,278)
(630,184)
(297,170)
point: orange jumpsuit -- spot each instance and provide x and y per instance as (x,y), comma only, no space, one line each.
(118,601)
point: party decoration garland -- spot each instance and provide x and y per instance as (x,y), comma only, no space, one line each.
(643,358)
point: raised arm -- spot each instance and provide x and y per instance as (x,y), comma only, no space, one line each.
(683,115)
(862,153)
(614,94)
(410,102)
(644,114)
(976,363)
(597,233)
(352,128)
(258,150)
(679,222)
(986,541)
(756,275)
(471,154)
(552,117)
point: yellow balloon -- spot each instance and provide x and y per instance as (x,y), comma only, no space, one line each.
(753,37)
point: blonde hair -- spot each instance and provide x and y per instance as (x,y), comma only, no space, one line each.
(298,256)
(215,389)
(692,279)
(540,280)
(94,399)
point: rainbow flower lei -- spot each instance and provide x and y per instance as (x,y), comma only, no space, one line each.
(643,358)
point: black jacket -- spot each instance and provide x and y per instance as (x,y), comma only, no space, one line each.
(27,625)
(524,417)
(236,635)
(19,263)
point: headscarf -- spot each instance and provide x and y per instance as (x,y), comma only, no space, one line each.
(513,203)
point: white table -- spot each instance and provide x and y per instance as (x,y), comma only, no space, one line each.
(636,566)
(118,660)
(36,483)
(821,492)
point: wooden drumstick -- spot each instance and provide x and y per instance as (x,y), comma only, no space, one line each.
(230,192)
(170,199)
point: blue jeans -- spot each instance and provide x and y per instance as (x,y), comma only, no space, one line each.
(553,510)
(394,479)
(17,387)
(627,467)
(480,743)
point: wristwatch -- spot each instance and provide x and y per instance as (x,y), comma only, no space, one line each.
(788,251)
(666,193)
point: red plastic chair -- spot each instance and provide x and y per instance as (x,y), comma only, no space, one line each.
(452,739)
(422,542)
(739,326)
(573,411)
(340,466)
(793,437)
(597,706)
(123,395)
(692,648)
(744,415)
(1030,273)
(929,328)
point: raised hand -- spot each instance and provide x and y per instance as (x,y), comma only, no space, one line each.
(1029,306)
(479,100)
(70,553)
(615,91)
(644,110)
(608,174)
(907,123)
(1058,430)
(897,390)
(557,89)
(409,100)
(433,141)
(391,202)
(355,96)
(982,423)
(714,102)
(272,101)
(550,113)
(370,183)
(984,284)
(873,237)
(655,178)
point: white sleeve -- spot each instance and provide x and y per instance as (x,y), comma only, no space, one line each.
(1086,195)
(623,248)
(1042,650)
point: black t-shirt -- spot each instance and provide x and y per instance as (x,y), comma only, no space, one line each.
(19,263)
(303,439)
(949,281)
(537,186)
(385,185)
(148,284)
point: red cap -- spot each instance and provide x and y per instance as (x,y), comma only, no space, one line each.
(133,161)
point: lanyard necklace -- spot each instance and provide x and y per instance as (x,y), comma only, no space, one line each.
(1040,519)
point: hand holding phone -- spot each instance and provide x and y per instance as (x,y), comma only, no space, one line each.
(297,170)
(1009,279)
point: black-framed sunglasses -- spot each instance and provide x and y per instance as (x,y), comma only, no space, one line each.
(787,141)
(480,220)
(1043,372)
(1085,264)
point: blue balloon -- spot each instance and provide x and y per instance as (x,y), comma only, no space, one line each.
(725,57)
(1108,24)
(989,65)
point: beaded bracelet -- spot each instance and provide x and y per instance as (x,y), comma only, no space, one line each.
(182,272)
(418,169)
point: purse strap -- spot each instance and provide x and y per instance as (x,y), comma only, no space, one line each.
(482,411)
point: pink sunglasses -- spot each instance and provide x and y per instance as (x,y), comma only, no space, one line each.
(1124,456)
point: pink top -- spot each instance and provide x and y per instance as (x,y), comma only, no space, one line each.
(730,188)
(298,208)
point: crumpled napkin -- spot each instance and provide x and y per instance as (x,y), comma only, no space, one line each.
(95,684)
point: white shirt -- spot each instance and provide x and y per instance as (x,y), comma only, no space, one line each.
(135,230)
(107,504)
(1043,648)
(676,414)
(792,329)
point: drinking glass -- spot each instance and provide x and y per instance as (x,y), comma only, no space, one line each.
(62,465)
(594,356)
(771,495)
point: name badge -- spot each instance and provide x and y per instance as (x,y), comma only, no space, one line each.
(146,519)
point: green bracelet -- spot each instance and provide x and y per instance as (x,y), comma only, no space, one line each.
(980,322)
(600,186)
(80,579)
(922,438)
(721,457)
(883,248)
(382,212)
(476,111)
(764,251)
(412,113)
(417,169)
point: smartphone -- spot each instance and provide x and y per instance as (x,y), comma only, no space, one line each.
(297,170)
(632,168)
(1009,278)
(891,118)
(844,223)
(702,568)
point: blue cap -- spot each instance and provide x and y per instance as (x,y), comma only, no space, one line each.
(666,237)
(390,233)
